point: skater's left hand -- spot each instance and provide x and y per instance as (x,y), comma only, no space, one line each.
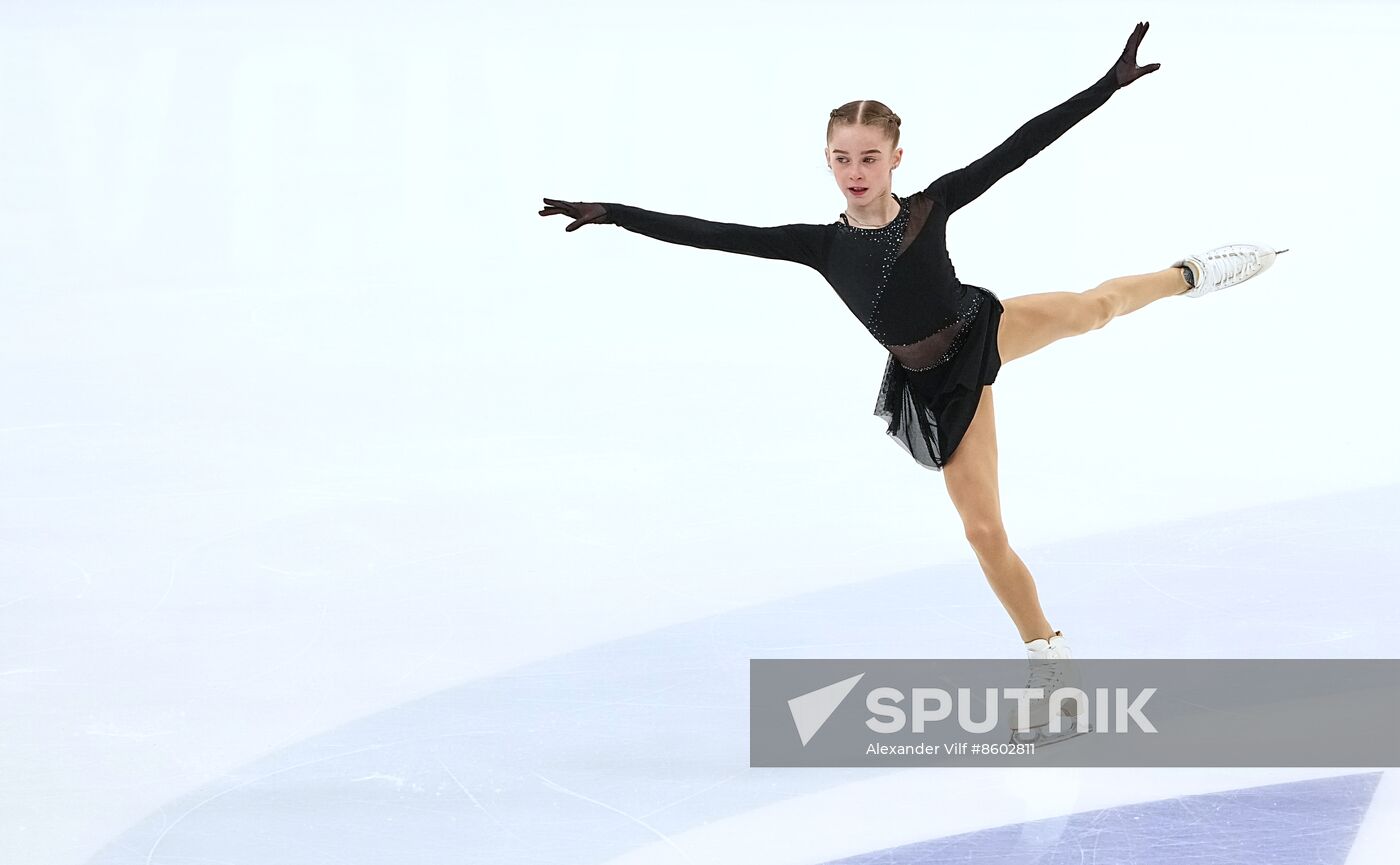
(1126,69)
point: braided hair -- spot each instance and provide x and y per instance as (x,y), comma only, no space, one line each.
(866,112)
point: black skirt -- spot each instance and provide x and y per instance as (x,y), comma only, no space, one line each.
(927,411)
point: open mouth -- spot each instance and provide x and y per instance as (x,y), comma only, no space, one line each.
(859,190)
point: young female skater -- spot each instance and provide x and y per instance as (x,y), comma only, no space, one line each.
(886,257)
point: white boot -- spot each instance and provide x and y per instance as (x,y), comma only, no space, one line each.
(1225,266)
(1051,667)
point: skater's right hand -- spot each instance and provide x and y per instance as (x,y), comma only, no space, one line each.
(580,211)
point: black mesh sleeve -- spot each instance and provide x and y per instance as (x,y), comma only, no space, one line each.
(962,186)
(799,242)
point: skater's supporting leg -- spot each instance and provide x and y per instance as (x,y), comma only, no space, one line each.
(1032,321)
(971,477)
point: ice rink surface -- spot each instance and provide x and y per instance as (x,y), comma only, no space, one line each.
(636,750)
(352,513)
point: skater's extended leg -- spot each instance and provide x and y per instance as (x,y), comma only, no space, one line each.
(1032,321)
(971,477)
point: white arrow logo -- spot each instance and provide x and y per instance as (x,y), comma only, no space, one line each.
(811,710)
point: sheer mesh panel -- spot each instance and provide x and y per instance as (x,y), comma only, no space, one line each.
(909,419)
(930,388)
(939,346)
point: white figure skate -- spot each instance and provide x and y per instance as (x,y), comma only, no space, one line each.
(1051,668)
(1225,266)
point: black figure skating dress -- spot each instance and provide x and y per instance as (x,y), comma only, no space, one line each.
(941,333)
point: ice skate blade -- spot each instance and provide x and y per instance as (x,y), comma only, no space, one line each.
(1040,736)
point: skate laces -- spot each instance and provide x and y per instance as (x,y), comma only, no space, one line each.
(1226,268)
(1046,673)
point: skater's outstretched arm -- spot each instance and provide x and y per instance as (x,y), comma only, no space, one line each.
(799,242)
(964,185)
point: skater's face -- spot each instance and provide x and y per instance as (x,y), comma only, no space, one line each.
(860,156)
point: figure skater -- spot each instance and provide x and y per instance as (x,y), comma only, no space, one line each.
(887,260)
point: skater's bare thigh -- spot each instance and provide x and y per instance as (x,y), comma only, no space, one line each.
(971,477)
(1032,321)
